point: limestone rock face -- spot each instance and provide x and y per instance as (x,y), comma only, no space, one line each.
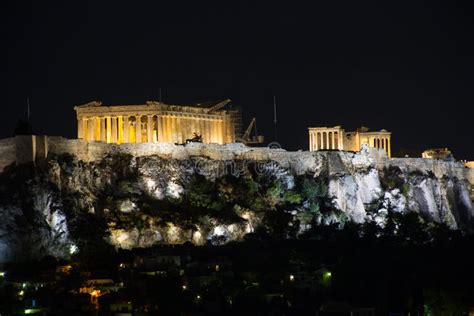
(214,194)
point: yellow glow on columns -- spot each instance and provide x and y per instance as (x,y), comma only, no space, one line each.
(120,130)
(109,129)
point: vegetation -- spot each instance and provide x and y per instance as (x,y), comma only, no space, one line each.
(407,263)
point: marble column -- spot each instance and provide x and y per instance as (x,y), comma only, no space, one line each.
(160,128)
(219,132)
(169,129)
(96,129)
(80,128)
(208,131)
(179,130)
(341,141)
(225,136)
(90,129)
(166,124)
(85,129)
(126,129)
(172,129)
(188,128)
(389,148)
(108,130)
(213,131)
(138,129)
(314,141)
(230,131)
(150,129)
(202,130)
(191,127)
(103,130)
(205,135)
(114,129)
(333,140)
(169,126)
(120,129)
(92,123)
(154,129)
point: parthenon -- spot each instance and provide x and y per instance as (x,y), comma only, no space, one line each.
(156,122)
(336,138)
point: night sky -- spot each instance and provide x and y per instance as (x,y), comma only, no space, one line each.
(406,67)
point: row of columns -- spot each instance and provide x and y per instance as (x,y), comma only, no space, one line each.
(325,140)
(382,143)
(153,128)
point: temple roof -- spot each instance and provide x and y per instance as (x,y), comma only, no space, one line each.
(203,105)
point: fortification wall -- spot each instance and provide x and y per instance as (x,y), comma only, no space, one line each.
(470,176)
(60,145)
(21,149)
(7,152)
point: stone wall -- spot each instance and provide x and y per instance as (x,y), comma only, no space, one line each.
(21,149)
(470,176)
(7,152)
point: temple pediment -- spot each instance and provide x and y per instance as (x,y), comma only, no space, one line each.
(89,105)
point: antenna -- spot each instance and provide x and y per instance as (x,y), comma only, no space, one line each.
(275,116)
(30,130)
(28,109)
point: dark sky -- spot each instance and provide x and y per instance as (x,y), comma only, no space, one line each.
(404,66)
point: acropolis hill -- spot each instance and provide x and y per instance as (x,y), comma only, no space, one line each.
(154,191)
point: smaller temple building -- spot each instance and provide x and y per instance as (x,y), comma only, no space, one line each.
(336,138)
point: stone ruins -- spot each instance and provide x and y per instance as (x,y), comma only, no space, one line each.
(157,122)
(336,138)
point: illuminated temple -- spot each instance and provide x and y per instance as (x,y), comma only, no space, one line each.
(336,138)
(157,122)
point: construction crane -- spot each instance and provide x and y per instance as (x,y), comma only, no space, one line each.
(252,139)
(219,105)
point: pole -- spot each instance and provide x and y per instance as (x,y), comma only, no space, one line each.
(28,108)
(275,117)
(28,115)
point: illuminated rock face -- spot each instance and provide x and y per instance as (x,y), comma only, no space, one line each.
(208,193)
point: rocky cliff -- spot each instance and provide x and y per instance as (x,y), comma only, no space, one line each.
(199,193)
